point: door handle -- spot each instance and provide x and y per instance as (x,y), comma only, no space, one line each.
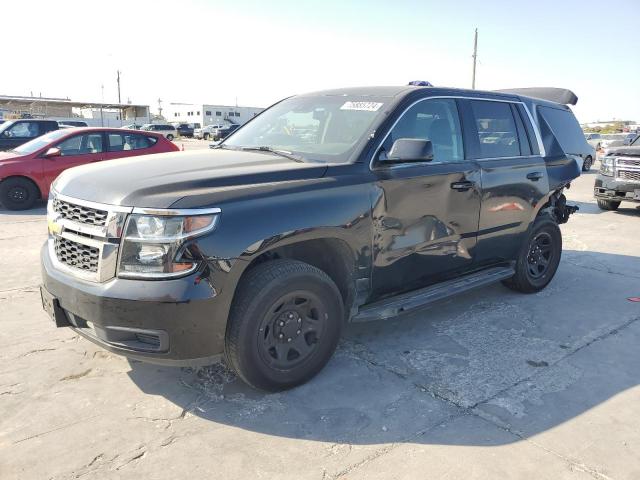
(462,186)
(534,176)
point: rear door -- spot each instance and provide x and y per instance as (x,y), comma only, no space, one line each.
(513,175)
(75,150)
(425,215)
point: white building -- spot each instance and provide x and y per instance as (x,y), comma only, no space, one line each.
(208,114)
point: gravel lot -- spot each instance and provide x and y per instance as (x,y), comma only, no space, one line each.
(490,385)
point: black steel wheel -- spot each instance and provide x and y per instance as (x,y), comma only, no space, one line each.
(284,324)
(17,193)
(539,257)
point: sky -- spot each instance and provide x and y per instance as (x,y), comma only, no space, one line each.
(257,52)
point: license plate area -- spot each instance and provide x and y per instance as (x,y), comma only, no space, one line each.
(51,305)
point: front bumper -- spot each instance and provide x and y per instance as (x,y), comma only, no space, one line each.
(178,322)
(608,188)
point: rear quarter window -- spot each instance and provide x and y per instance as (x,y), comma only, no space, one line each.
(565,128)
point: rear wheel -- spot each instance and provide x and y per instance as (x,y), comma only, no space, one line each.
(284,324)
(586,166)
(206,136)
(608,204)
(18,193)
(170,137)
(539,257)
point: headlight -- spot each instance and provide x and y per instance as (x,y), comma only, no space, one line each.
(153,245)
(606,166)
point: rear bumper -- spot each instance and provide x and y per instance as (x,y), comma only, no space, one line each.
(178,322)
(608,188)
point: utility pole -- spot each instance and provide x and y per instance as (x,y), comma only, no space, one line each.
(160,107)
(475,59)
(118,71)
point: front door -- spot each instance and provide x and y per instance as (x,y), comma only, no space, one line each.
(75,150)
(425,214)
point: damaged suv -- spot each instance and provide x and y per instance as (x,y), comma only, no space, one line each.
(331,207)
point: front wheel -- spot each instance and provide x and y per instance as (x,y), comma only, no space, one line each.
(586,166)
(608,204)
(18,193)
(170,137)
(284,324)
(539,257)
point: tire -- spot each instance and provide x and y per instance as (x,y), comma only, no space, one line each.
(608,204)
(586,166)
(18,193)
(170,137)
(539,257)
(284,324)
(206,136)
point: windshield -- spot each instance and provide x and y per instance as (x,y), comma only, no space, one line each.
(321,128)
(40,142)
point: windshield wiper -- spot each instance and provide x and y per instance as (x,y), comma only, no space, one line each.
(282,153)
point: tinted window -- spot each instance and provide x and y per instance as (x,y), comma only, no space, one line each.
(496,127)
(23,130)
(565,128)
(435,120)
(119,142)
(81,145)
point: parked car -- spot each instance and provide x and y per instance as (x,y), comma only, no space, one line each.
(392,198)
(16,132)
(619,177)
(593,139)
(27,171)
(72,123)
(206,132)
(224,132)
(184,129)
(133,126)
(164,129)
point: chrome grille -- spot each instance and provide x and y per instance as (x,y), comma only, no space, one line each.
(80,213)
(77,255)
(628,162)
(633,176)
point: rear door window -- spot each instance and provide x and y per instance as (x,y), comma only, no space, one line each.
(496,126)
(119,142)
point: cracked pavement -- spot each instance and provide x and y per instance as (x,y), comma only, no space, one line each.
(490,385)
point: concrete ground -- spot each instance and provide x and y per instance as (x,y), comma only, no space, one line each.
(490,385)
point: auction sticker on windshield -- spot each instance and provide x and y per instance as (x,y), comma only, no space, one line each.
(363,106)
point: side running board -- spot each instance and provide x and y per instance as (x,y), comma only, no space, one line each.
(406,302)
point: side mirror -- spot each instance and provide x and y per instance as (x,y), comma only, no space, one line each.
(411,150)
(53,152)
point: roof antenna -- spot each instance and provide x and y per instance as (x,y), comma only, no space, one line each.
(475,58)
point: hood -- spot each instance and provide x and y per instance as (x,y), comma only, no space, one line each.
(160,180)
(631,151)
(9,157)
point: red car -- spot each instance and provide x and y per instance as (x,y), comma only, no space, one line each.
(26,173)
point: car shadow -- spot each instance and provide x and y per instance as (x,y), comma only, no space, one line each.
(530,362)
(40,208)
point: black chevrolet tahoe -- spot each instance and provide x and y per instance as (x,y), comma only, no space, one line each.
(331,207)
(619,176)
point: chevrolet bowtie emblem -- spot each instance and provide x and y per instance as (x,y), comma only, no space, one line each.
(53,226)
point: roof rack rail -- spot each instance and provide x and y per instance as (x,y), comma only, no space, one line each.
(552,94)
